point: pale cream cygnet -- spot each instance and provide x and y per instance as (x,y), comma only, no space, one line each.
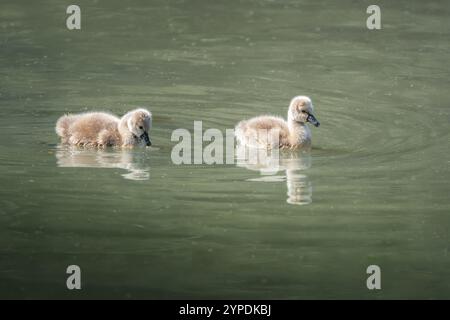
(275,132)
(100,129)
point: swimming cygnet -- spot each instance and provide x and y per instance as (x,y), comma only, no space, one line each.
(275,132)
(99,129)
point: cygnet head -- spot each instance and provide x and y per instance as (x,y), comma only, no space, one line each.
(301,110)
(139,123)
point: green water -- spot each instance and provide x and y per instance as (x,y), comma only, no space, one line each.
(373,190)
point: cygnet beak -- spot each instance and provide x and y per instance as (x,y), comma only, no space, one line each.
(145,137)
(311,119)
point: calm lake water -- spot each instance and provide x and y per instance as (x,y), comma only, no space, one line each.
(373,190)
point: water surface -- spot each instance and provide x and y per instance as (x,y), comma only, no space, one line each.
(373,190)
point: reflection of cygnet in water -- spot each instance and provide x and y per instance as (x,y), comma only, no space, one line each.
(299,189)
(134,162)
(269,162)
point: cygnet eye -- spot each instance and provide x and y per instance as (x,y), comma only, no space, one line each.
(140,127)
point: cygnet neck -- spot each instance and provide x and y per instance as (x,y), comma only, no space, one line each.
(123,123)
(294,125)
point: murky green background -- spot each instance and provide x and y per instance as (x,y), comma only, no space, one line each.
(374,189)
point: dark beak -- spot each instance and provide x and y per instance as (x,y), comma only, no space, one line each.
(311,119)
(145,137)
